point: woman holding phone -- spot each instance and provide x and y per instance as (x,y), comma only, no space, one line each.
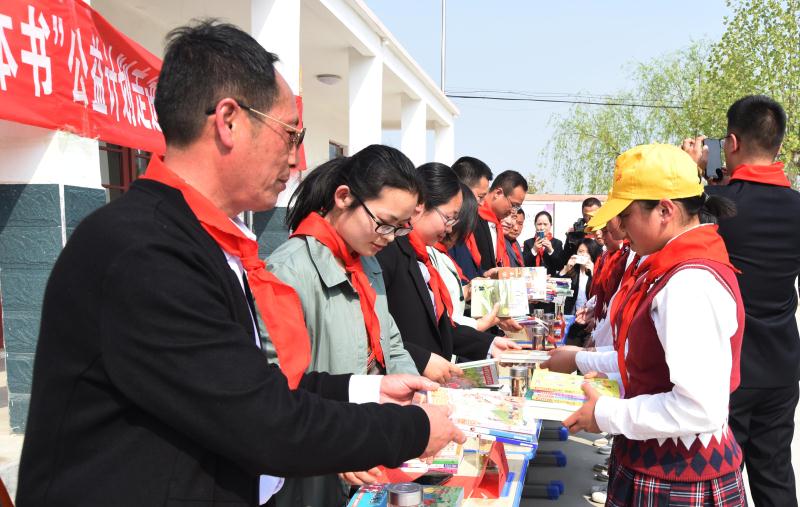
(580,269)
(543,249)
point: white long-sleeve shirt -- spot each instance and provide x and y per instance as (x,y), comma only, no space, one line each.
(694,317)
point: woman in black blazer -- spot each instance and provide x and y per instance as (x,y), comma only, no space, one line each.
(418,307)
(543,249)
(580,268)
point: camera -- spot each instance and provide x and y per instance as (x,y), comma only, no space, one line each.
(579,225)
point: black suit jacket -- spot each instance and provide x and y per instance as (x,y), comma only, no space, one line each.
(410,305)
(483,238)
(553,262)
(763,241)
(148,385)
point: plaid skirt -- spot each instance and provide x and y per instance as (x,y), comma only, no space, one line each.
(628,488)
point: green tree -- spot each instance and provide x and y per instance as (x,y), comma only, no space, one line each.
(537,184)
(759,53)
(589,138)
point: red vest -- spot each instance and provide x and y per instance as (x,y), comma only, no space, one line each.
(649,374)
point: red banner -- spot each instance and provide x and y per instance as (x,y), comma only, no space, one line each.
(63,66)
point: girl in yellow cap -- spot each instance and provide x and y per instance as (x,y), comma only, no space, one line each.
(677,326)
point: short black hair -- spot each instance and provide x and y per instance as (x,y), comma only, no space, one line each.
(594,248)
(521,212)
(470,170)
(204,63)
(508,181)
(438,182)
(758,121)
(591,201)
(545,213)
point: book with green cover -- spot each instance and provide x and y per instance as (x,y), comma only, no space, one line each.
(511,293)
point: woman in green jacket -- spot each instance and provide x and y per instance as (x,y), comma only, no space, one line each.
(342,214)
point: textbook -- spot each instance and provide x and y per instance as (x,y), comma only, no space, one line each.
(511,293)
(481,373)
(484,412)
(535,280)
(446,460)
(554,396)
(523,357)
(375,495)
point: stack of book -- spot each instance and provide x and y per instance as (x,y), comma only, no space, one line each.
(446,460)
(558,289)
(489,414)
(554,396)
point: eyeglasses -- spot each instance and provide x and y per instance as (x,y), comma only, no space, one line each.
(380,227)
(514,207)
(296,135)
(448,222)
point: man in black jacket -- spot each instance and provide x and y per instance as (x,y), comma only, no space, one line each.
(763,241)
(149,387)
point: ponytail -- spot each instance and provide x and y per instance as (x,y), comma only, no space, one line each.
(710,208)
(366,173)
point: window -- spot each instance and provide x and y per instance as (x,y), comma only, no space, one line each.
(120,166)
(335,150)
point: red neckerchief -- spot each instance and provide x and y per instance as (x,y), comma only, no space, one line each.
(540,250)
(320,229)
(768,174)
(277,302)
(608,272)
(443,249)
(701,243)
(517,253)
(472,246)
(441,296)
(486,213)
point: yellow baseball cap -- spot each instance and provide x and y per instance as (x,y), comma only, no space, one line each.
(649,172)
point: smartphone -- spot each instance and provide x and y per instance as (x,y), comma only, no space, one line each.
(540,234)
(433,478)
(714,164)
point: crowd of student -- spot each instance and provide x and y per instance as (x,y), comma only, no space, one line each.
(150,365)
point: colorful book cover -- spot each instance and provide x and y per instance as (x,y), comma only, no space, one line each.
(511,293)
(433,496)
(554,396)
(476,374)
(486,412)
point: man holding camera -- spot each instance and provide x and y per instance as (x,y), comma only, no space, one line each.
(763,241)
(577,232)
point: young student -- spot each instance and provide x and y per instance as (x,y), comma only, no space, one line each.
(678,325)
(418,298)
(341,215)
